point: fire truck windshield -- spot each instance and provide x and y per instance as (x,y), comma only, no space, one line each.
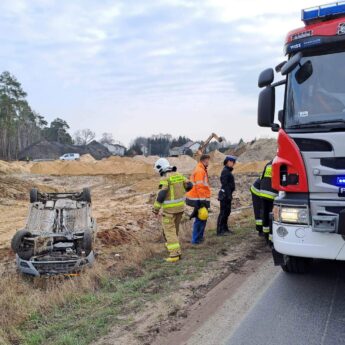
(315,93)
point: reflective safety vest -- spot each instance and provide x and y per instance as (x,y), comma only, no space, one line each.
(266,190)
(201,191)
(255,188)
(171,195)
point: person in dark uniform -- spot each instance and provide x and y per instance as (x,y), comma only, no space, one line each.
(267,194)
(225,196)
(256,199)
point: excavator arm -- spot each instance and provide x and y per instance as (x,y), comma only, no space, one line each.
(202,148)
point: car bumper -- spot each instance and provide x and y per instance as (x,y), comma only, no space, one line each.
(302,241)
(53,267)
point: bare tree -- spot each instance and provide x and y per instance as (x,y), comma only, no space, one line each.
(84,136)
(107,138)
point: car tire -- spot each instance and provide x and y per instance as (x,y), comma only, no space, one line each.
(33,195)
(87,242)
(296,265)
(86,195)
(17,245)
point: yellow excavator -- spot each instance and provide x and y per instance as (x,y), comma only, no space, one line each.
(203,147)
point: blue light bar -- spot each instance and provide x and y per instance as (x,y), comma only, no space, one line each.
(322,12)
(341,180)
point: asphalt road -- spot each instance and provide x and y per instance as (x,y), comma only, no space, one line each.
(298,310)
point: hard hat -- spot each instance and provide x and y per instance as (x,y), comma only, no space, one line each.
(162,165)
(203,213)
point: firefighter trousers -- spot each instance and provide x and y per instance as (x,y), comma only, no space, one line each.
(171,227)
(267,206)
(257,205)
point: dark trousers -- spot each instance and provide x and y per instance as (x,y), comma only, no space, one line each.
(257,206)
(225,210)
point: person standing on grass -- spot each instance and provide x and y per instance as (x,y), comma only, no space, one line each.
(199,198)
(227,181)
(171,198)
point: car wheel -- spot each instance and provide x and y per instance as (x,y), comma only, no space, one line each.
(23,250)
(87,242)
(86,195)
(296,265)
(33,195)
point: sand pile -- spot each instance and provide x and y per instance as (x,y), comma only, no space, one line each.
(109,166)
(13,167)
(250,167)
(185,164)
(87,158)
(149,159)
(217,157)
(260,150)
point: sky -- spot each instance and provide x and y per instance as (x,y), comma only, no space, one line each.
(140,67)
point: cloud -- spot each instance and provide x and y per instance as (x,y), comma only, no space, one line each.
(109,65)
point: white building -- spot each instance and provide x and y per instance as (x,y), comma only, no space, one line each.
(116,149)
(191,146)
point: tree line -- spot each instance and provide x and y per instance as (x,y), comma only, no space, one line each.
(21,126)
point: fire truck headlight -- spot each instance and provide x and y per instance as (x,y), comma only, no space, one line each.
(298,215)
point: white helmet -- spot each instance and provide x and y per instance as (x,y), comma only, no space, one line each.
(162,166)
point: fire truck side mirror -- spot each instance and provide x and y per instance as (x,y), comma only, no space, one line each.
(266,107)
(266,77)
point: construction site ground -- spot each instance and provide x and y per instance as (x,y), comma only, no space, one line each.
(131,296)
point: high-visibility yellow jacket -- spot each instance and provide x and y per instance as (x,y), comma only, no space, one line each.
(201,192)
(266,190)
(171,195)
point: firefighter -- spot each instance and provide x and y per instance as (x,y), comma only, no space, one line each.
(256,198)
(267,194)
(199,198)
(225,195)
(171,198)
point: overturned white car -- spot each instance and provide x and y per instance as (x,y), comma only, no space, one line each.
(58,236)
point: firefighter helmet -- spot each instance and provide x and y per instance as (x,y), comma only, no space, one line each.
(162,166)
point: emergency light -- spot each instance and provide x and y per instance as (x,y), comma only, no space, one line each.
(341,180)
(323,12)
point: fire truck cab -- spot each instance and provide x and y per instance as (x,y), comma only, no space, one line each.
(308,220)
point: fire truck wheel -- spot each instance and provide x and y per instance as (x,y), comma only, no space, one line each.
(296,265)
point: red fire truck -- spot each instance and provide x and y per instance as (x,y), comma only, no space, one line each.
(309,169)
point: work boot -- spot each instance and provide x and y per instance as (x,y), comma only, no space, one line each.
(173,259)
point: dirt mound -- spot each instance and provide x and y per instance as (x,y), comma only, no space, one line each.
(109,166)
(149,159)
(17,189)
(259,150)
(117,236)
(13,168)
(87,158)
(250,167)
(185,164)
(217,156)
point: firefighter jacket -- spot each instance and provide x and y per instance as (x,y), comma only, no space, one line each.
(171,195)
(200,194)
(266,190)
(255,188)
